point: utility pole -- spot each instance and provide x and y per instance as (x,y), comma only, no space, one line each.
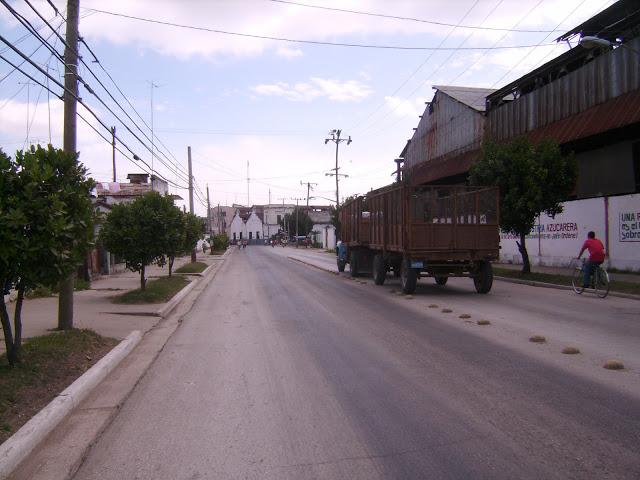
(113,145)
(153,85)
(193,252)
(248,198)
(309,187)
(335,138)
(297,210)
(65,300)
(218,215)
(208,212)
(28,84)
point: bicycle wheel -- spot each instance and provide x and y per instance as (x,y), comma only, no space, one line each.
(602,282)
(576,280)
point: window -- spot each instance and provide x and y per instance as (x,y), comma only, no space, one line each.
(258,235)
(279,219)
(240,235)
(250,235)
(234,236)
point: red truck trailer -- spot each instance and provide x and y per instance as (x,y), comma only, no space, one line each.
(423,231)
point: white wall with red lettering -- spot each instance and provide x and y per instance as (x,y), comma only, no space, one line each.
(624,232)
(556,241)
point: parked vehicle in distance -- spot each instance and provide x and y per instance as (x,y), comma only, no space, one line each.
(423,231)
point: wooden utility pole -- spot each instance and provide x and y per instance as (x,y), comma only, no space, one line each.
(309,188)
(335,138)
(398,172)
(113,145)
(208,212)
(193,252)
(65,299)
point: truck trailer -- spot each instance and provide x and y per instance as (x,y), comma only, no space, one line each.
(422,231)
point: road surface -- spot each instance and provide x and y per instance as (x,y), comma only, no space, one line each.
(283,371)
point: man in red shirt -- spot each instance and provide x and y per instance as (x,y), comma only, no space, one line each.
(596,256)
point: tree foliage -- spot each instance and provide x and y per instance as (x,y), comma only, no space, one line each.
(46,226)
(219,242)
(532,179)
(304,222)
(150,230)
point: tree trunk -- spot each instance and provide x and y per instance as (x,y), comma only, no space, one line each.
(6,329)
(522,247)
(142,279)
(65,303)
(193,255)
(17,324)
(171,259)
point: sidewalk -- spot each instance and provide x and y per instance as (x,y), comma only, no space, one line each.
(94,309)
(621,277)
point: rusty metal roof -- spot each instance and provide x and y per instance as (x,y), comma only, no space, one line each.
(471,96)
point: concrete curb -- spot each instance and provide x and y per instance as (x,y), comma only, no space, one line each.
(25,440)
(324,269)
(178,297)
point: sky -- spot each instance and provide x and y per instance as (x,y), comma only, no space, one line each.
(204,76)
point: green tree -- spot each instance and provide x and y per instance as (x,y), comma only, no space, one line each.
(46,226)
(173,232)
(219,242)
(194,229)
(138,232)
(304,223)
(532,179)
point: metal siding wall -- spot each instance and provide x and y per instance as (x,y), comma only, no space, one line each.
(606,77)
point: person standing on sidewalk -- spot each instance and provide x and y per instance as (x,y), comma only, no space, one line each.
(596,256)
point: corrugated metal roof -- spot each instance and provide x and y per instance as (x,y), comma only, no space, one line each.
(470,96)
(620,20)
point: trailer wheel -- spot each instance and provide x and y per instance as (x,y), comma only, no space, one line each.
(354,260)
(441,280)
(341,265)
(379,269)
(408,276)
(483,279)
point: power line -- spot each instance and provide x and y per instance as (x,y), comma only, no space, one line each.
(90,90)
(412,19)
(382,104)
(292,40)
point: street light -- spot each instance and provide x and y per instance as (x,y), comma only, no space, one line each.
(591,41)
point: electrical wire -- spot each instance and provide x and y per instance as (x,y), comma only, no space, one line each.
(412,19)
(291,40)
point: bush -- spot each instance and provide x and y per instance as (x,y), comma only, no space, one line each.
(219,242)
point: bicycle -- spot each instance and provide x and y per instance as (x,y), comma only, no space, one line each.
(599,279)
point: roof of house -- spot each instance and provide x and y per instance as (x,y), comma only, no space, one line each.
(122,189)
(620,20)
(470,96)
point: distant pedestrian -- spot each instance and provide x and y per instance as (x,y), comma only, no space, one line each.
(596,256)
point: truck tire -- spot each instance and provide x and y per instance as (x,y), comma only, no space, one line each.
(441,280)
(341,265)
(354,260)
(408,276)
(483,279)
(379,269)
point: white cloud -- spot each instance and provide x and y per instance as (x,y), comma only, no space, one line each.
(335,90)
(402,107)
(289,53)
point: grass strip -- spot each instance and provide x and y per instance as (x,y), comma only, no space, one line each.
(160,290)
(195,267)
(50,364)
(558,279)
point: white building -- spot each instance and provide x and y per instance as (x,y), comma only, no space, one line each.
(247,225)
(273,216)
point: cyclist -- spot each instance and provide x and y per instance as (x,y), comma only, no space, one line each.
(596,256)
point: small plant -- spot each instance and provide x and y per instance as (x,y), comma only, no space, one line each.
(570,350)
(614,365)
(82,284)
(483,322)
(537,339)
(464,315)
(446,310)
(40,292)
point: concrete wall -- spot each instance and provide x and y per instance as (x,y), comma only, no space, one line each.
(555,241)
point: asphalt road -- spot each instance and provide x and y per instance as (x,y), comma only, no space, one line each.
(282,371)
